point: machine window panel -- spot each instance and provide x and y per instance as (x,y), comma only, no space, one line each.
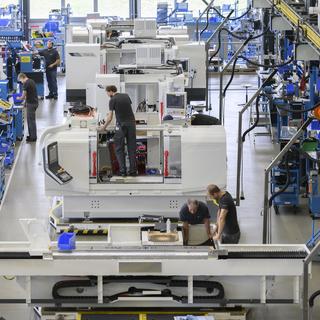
(40,9)
(114,8)
(80,8)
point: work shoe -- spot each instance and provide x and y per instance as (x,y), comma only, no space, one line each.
(49,96)
(123,174)
(133,173)
(55,97)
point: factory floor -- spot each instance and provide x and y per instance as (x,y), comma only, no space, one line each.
(25,193)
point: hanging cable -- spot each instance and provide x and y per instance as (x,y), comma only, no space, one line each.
(256,122)
(232,19)
(300,111)
(231,77)
(235,36)
(313,297)
(207,23)
(265,65)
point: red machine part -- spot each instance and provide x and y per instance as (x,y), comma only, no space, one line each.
(166,158)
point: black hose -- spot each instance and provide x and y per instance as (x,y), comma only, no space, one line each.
(207,23)
(313,297)
(286,185)
(256,122)
(231,77)
(235,36)
(232,19)
(265,65)
(299,111)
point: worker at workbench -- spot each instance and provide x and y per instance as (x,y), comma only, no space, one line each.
(52,59)
(228,230)
(194,212)
(30,97)
(120,104)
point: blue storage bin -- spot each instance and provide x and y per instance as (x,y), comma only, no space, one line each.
(315,125)
(15,97)
(4,147)
(67,241)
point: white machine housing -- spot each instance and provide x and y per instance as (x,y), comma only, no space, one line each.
(150,87)
(84,61)
(187,159)
(145,28)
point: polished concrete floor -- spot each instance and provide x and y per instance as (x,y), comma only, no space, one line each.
(25,196)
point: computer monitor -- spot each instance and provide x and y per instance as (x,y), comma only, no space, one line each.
(195,94)
(53,155)
(176,103)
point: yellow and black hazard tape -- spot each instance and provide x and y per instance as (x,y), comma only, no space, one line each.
(88,232)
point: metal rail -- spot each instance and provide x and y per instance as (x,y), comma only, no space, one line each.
(221,74)
(208,7)
(240,142)
(207,52)
(307,261)
(266,234)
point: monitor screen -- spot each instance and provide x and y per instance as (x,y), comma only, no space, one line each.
(175,101)
(195,94)
(53,153)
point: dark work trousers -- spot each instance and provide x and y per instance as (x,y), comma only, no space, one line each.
(31,120)
(52,81)
(126,132)
(230,238)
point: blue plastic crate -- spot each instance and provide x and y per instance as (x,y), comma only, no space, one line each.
(15,97)
(315,125)
(67,241)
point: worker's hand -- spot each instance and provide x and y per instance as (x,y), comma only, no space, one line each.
(50,66)
(101,128)
(216,237)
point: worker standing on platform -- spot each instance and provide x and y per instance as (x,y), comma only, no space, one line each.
(194,212)
(30,96)
(52,59)
(120,104)
(228,230)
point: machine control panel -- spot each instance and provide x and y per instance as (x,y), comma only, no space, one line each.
(176,103)
(54,169)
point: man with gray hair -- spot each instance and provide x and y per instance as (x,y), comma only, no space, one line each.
(194,212)
(30,97)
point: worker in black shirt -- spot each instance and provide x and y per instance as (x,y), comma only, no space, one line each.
(228,230)
(194,212)
(52,59)
(30,96)
(120,104)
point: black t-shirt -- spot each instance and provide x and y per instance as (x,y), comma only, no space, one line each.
(31,91)
(120,103)
(196,218)
(231,225)
(50,56)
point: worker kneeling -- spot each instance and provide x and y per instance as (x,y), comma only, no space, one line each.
(194,212)
(228,230)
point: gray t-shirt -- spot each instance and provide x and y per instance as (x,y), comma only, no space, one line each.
(194,218)
(31,91)
(120,103)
